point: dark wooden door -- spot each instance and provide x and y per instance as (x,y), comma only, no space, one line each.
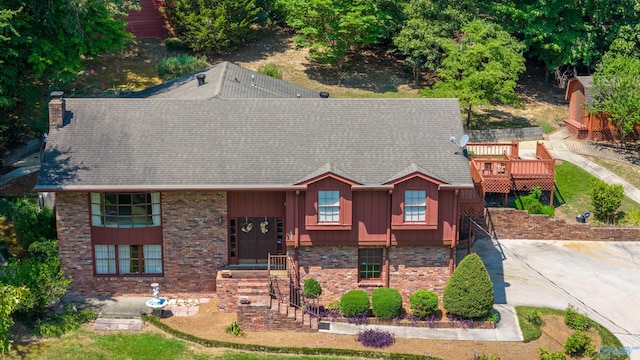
(256,239)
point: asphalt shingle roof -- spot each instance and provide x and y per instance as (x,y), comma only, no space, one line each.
(161,143)
(587,83)
(226,81)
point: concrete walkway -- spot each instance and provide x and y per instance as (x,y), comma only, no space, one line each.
(560,150)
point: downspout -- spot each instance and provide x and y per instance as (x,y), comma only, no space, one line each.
(454,230)
(296,235)
(387,262)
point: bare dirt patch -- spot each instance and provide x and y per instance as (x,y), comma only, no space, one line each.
(209,323)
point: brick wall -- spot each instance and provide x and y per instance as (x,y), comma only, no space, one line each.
(418,268)
(517,224)
(411,268)
(194,246)
(227,294)
(262,318)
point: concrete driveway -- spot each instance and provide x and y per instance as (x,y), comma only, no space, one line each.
(602,279)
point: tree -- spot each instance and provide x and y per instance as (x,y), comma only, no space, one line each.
(41,273)
(427,25)
(481,66)
(333,28)
(10,297)
(469,291)
(606,199)
(213,26)
(45,42)
(616,92)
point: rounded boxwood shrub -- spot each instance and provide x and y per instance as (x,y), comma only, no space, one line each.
(423,303)
(354,302)
(312,288)
(386,303)
(469,291)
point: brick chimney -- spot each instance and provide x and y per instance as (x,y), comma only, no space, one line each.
(56,110)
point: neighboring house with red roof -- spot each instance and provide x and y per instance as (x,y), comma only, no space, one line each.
(176,183)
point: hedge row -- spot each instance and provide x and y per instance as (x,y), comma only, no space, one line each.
(282,350)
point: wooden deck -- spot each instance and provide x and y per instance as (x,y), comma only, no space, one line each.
(497,168)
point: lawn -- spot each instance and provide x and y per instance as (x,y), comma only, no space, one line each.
(572,193)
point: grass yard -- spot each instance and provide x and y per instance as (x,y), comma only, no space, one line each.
(573,184)
(153,344)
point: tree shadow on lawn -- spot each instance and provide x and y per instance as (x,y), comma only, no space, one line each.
(267,41)
(375,71)
(498,119)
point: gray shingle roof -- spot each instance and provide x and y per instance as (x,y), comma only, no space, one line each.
(162,144)
(587,83)
(226,81)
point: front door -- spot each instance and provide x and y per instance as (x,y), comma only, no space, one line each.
(257,238)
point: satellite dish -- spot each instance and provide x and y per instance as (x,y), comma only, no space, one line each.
(464,139)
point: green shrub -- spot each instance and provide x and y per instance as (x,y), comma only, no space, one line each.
(386,303)
(579,343)
(354,302)
(548,355)
(532,204)
(33,225)
(40,271)
(535,317)
(606,199)
(270,69)
(469,291)
(65,322)
(174,67)
(233,329)
(334,305)
(311,288)
(423,303)
(576,321)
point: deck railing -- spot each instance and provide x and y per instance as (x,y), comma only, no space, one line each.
(277,265)
(493,149)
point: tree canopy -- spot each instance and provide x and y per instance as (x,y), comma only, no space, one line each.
(616,92)
(333,28)
(44,42)
(213,26)
(422,41)
(480,66)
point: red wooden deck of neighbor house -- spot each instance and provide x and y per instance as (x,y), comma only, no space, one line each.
(498,168)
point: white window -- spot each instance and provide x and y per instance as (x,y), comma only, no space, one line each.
(131,259)
(415,205)
(105,259)
(125,210)
(329,206)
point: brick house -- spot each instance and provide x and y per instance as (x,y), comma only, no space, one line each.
(184,180)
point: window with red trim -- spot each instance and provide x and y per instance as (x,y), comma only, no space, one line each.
(369,264)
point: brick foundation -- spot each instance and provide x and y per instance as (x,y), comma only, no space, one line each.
(194,246)
(411,268)
(518,224)
(263,318)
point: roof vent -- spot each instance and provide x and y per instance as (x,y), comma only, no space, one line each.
(200,78)
(324,94)
(298,96)
(253,81)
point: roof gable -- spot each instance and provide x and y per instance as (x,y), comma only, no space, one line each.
(414,170)
(226,81)
(327,170)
